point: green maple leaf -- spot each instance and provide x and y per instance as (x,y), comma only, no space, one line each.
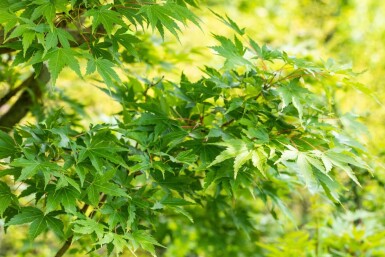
(343,160)
(89,226)
(119,242)
(102,145)
(233,147)
(175,201)
(187,157)
(306,172)
(127,41)
(27,32)
(27,215)
(45,8)
(259,159)
(329,185)
(59,58)
(165,16)
(237,149)
(55,224)
(143,163)
(8,20)
(28,38)
(20,30)
(159,16)
(230,23)
(264,52)
(58,35)
(39,221)
(93,194)
(101,185)
(293,93)
(115,215)
(232,51)
(66,196)
(108,188)
(8,146)
(37,227)
(145,240)
(32,166)
(302,166)
(6,197)
(106,17)
(105,68)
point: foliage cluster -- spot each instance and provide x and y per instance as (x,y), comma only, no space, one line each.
(181,159)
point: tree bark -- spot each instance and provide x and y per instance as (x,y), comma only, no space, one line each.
(33,91)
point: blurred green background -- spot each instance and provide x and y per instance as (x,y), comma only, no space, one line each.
(349,31)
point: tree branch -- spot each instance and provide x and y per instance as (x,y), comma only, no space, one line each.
(65,247)
(4,50)
(68,242)
(23,105)
(12,93)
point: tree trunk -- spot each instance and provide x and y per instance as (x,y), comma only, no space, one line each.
(33,89)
